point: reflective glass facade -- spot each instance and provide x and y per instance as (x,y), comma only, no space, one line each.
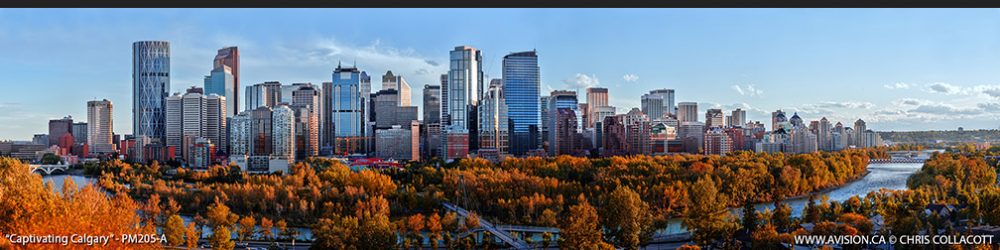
(521,89)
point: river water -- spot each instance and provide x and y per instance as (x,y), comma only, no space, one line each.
(890,176)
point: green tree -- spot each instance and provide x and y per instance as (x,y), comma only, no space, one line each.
(750,219)
(375,232)
(627,219)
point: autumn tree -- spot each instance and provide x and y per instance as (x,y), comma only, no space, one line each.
(627,219)
(221,239)
(247,227)
(708,217)
(193,235)
(434,226)
(265,228)
(174,230)
(582,228)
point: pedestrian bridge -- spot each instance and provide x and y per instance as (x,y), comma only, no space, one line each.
(48,169)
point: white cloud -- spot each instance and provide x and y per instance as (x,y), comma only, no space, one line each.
(848,104)
(944,88)
(747,90)
(630,77)
(898,85)
(582,81)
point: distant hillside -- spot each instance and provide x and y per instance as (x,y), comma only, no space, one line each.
(950,136)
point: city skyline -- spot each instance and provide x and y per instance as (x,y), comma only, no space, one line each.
(893,84)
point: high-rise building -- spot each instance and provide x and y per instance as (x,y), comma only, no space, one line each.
(283,133)
(216,123)
(150,85)
(346,107)
(859,130)
(261,136)
(398,83)
(823,135)
(522,90)
(614,136)
(558,99)
(432,104)
(596,98)
(240,139)
(192,116)
(637,132)
(565,139)
(692,136)
(222,82)
(445,118)
(79,132)
(653,105)
(545,107)
(229,57)
(431,130)
(266,94)
(778,119)
(306,106)
(717,142)
(465,87)
(396,143)
(687,112)
(738,118)
(58,128)
(100,127)
(668,101)
(493,119)
(714,118)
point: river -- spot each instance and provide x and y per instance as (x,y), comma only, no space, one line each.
(882,175)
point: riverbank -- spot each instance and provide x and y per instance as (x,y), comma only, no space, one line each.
(827,189)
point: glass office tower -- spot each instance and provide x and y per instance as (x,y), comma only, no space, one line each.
(521,89)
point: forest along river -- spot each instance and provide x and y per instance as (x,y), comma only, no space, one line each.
(882,175)
(80,181)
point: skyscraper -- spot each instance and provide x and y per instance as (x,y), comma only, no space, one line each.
(192,116)
(229,57)
(221,82)
(58,128)
(823,135)
(398,83)
(637,132)
(739,118)
(596,98)
(432,104)
(465,85)
(687,112)
(522,90)
(79,132)
(100,127)
(714,118)
(859,133)
(559,99)
(307,98)
(668,101)
(346,107)
(777,119)
(493,119)
(653,105)
(283,133)
(150,84)
(565,137)
(266,94)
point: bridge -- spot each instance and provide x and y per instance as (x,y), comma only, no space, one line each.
(48,169)
(486,225)
(897,160)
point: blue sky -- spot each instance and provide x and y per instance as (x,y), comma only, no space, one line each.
(898,69)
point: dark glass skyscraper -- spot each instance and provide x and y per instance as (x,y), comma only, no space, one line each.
(521,84)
